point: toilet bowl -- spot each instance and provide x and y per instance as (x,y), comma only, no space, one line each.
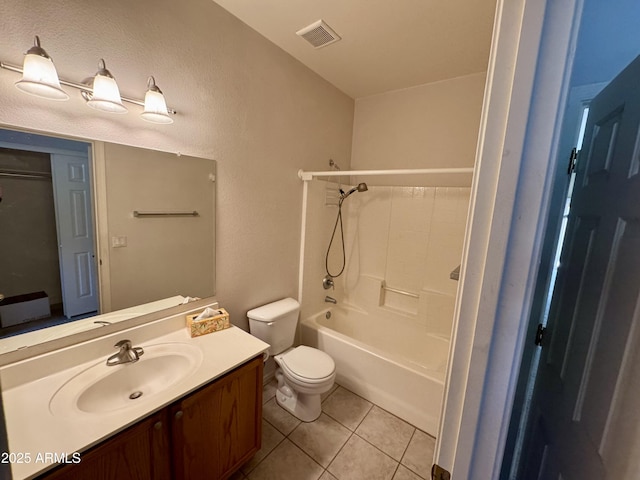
(304,374)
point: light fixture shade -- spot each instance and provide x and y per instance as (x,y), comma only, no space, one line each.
(106,94)
(155,106)
(39,76)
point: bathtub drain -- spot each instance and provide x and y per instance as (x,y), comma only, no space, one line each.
(327,315)
(136,394)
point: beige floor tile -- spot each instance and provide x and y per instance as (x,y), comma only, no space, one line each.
(271,437)
(359,460)
(386,431)
(327,476)
(269,390)
(279,417)
(328,393)
(419,454)
(403,473)
(287,462)
(346,407)
(321,439)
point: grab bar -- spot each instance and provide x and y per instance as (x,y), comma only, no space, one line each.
(138,214)
(401,292)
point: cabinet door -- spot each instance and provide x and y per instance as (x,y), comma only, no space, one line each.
(218,428)
(138,453)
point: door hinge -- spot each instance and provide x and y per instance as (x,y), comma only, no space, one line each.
(573,157)
(540,335)
(439,473)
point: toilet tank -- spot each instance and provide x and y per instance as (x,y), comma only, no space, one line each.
(275,323)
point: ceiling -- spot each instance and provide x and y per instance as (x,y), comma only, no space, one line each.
(386,45)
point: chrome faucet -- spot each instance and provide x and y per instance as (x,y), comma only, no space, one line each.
(126,354)
(330,299)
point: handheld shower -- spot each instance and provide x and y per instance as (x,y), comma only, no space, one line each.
(362,187)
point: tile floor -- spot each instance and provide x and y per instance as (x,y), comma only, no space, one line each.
(352,439)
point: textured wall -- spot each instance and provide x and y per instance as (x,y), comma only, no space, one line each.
(242,101)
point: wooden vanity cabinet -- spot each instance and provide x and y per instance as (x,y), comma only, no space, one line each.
(208,435)
(139,452)
(218,428)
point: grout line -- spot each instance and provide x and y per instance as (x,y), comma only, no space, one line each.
(305,453)
(351,434)
(339,450)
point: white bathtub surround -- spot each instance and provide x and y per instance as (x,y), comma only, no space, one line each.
(389,360)
(408,239)
(389,334)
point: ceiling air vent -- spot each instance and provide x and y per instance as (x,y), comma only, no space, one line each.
(319,34)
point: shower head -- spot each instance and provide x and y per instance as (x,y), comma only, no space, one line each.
(362,187)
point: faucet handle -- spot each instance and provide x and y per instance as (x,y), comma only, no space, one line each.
(327,282)
(123,344)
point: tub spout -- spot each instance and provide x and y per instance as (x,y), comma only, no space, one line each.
(330,299)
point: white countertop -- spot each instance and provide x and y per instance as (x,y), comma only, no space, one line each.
(15,342)
(34,431)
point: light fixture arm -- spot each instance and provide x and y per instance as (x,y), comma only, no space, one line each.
(85,90)
(37,49)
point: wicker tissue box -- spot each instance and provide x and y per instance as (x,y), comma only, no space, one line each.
(218,322)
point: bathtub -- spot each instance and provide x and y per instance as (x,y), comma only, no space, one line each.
(387,359)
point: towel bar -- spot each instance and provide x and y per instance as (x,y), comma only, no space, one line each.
(194,213)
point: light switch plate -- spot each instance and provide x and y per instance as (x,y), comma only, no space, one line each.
(119,241)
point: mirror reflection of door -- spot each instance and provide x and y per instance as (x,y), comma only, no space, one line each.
(47,261)
(74,225)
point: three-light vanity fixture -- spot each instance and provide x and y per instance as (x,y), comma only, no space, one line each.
(39,78)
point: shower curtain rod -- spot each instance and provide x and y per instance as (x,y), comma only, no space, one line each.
(307,176)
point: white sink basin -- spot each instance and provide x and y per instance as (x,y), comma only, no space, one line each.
(102,389)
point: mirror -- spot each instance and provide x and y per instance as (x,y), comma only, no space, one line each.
(92,228)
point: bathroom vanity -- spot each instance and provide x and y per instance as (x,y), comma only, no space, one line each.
(208,434)
(188,408)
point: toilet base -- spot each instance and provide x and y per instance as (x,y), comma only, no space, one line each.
(304,406)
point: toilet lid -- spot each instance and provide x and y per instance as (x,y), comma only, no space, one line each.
(308,362)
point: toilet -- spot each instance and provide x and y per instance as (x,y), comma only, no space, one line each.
(303,373)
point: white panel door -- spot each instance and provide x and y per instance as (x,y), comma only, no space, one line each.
(585,420)
(72,193)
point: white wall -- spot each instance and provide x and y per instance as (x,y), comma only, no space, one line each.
(431,125)
(241,100)
(163,256)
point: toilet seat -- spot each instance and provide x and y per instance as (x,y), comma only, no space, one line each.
(307,365)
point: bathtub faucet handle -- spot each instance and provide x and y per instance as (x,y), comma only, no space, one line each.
(327,282)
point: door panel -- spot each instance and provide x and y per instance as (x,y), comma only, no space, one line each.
(578,251)
(585,389)
(603,143)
